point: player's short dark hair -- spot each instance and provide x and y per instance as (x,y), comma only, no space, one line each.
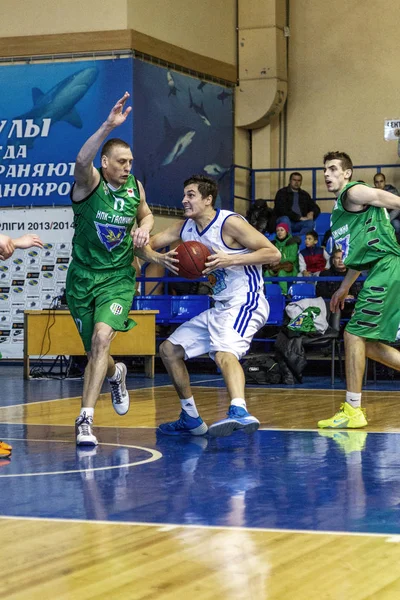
(313,234)
(111,144)
(344,158)
(206,186)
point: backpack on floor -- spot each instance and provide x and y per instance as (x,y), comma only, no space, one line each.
(261,370)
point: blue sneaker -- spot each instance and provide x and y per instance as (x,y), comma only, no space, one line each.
(238,418)
(184,425)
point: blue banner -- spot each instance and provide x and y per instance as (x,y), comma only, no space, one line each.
(47,112)
(182,126)
(179,125)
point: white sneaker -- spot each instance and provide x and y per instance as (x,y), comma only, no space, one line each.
(119,393)
(83,428)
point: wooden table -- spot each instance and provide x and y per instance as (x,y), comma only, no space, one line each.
(63,338)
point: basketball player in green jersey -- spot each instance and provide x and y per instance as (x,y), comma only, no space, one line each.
(361,227)
(107,202)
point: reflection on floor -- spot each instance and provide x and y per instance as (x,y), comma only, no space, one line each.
(288,479)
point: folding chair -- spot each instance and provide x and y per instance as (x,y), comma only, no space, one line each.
(298,291)
(276,301)
(161,302)
(329,339)
(186,307)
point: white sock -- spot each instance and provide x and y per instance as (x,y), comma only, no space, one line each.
(86,412)
(353,399)
(239,402)
(116,376)
(189,406)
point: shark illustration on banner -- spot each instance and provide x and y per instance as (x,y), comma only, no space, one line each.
(48,110)
(182,126)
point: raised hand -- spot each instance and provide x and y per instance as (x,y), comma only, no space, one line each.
(117,115)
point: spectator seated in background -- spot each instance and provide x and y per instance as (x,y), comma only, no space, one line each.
(261,217)
(313,259)
(380,182)
(327,288)
(288,246)
(295,207)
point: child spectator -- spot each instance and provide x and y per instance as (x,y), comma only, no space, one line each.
(313,259)
(288,246)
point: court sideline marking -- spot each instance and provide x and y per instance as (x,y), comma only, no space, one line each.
(391,538)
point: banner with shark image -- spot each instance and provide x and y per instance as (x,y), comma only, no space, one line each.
(182,126)
(179,125)
(47,112)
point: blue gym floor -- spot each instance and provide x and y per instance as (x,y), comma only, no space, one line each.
(307,480)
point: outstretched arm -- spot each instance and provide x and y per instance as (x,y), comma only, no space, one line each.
(7,247)
(362,195)
(29,240)
(86,175)
(161,240)
(238,233)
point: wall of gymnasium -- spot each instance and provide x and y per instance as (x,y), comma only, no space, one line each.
(342,68)
(343,83)
(211,33)
(206,27)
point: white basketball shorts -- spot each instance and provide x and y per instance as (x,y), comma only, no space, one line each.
(227,327)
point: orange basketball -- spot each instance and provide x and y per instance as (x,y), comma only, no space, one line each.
(192,258)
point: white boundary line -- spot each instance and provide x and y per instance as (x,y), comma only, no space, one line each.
(130,428)
(139,389)
(391,537)
(155,455)
(194,384)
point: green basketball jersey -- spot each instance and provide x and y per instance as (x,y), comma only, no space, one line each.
(364,236)
(103,222)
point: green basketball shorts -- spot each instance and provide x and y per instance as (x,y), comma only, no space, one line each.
(377,311)
(100,297)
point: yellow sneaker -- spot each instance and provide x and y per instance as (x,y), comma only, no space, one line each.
(347,418)
(348,441)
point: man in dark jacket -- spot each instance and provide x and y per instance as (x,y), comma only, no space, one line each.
(295,207)
(327,288)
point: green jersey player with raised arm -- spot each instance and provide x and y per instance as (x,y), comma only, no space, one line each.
(107,203)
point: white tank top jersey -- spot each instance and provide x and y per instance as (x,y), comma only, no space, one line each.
(232,282)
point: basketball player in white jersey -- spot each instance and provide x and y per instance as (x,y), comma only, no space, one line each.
(237,251)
